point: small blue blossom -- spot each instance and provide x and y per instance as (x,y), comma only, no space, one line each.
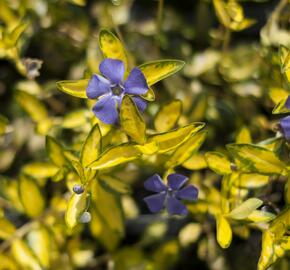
(110,89)
(169,195)
(285,121)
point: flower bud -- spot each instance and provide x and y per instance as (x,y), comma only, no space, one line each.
(78,189)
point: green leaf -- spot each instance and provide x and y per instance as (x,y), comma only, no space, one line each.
(74,88)
(31,196)
(168,116)
(131,121)
(224,231)
(112,47)
(245,209)
(254,158)
(187,149)
(156,71)
(92,146)
(218,162)
(170,140)
(32,106)
(77,205)
(115,156)
(55,152)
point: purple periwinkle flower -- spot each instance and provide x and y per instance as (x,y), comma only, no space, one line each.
(110,89)
(285,121)
(169,195)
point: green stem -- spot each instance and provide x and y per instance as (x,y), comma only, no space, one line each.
(159,16)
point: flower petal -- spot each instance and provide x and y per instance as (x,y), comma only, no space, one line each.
(285,125)
(140,103)
(155,184)
(136,83)
(106,110)
(176,180)
(155,202)
(175,207)
(287,103)
(187,193)
(113,69)
(98,86)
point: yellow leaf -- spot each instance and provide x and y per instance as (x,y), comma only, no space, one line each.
(278,94)
(260,216)
(224,231)
(6,228)
(254,158)
(31,196)
(244,136)
(148,148)
(168,116)
(170,140)
(112,47)
(115,184)
(187,149)
(189,234)
(24,256)
(77,205)
(285,61)
(115,156)
(245,209)
(218,162)
(131,120)
(195,162)
(221,12)
(252,180)
(74,88)
(55,152)
(40,169)
(158,70)
(75,119)
(7,263)
(266,257)
(32,106)
(92,146)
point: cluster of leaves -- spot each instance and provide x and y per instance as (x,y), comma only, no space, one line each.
(71,187)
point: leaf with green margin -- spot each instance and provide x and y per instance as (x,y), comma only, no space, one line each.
(156,71)
(253,158)
(55,152)
(131,120)
(116,155)
(245,209)
(224,231)
(31,196)
(32,106)
(284,53)
(172,139)
(168,116)
(218,162)
(74,88)
(112,47)
(77,205)
(187,149)
(92,146)
(150,95)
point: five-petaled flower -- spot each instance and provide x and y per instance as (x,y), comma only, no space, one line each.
(110,89)
(169,195)
(285,121)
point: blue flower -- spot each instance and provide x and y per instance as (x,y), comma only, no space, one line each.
(169,195)
(110,89)
(285,121)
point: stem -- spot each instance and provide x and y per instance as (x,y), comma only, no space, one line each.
(279,8)
(159,16)
(226,41)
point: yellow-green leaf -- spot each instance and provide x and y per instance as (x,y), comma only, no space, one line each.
(150,95)
(115,184)
(158,70)
(245,209)
(244,136)
(6,228)
(77,205)
(31,196)
(40,169)
(74,88)
(252,180)
(261,216)
(170,140)
(224,231)
(218,162)
(168,116)
(187,149)
(55,152)
(92,146)
(131,121)
(116,156)
(112,47)
(254,158)
(31,105)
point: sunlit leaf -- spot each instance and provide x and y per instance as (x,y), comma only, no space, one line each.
(218,162)
(224,231)
(112,47)
(252,180)
(245,209)
(158,70)
(31,196)
(261,216)
(74,88)
(132,121)
(40,169)
(168,116)
(195,162)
